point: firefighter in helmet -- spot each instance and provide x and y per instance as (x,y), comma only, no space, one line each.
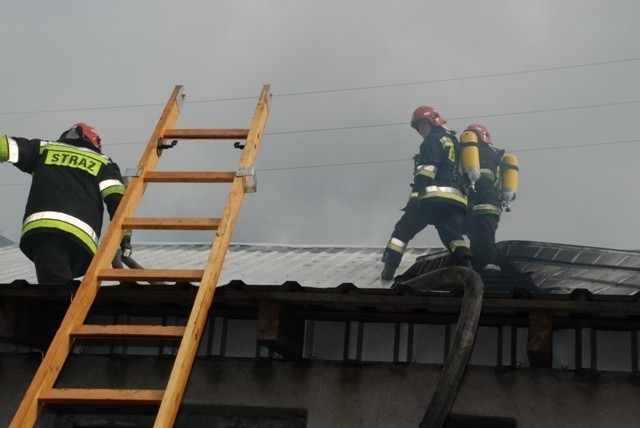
(437,196)
(485,204)
(71,180)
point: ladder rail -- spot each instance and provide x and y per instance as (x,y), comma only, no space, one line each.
(62,343)
(195,325)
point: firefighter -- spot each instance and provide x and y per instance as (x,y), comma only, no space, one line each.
(71,179)
(437,196)
(485,205)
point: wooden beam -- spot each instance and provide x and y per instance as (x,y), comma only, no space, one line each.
(178,275)
(189,177)
(164,223)
(93,331)
(280,329)
(206,134)
(101,396)
(539,347)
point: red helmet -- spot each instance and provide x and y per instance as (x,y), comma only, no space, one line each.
(481,131)
(83,132)
(426,113)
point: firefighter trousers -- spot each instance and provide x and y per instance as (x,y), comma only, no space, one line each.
(481,230)
(447,219)
(57,259)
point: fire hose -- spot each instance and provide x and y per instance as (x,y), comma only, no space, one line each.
(463,339)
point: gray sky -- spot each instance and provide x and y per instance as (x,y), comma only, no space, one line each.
(557,82)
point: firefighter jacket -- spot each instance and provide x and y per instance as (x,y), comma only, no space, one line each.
(69,185)
(437,176)
(486,198)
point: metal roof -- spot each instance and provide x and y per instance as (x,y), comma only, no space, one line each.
(265,264)
(538,266)
(562,268)
(585,298)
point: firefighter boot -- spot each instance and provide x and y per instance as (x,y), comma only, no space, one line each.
(462,257)
(391,261)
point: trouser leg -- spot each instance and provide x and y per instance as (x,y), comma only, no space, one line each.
(411,222)
(449,226)
(51,260)
(482,237)
(57,258)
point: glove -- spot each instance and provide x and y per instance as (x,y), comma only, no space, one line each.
(125,246)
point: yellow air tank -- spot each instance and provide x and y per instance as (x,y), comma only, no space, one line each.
(509,178)
(470,157)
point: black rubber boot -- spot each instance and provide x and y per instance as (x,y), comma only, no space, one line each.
(388,273)
(462,257)
(391,262)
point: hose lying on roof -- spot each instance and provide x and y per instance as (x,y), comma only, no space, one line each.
(120,261)
(463,339)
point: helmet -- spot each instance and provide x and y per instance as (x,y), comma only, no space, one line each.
(426,113)
(86,133)
(481,131)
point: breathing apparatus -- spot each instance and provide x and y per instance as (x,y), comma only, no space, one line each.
(509,179)
(470,158)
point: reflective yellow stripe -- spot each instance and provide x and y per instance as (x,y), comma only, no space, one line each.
(109,187)
(64,222)
(445,192)
(8,149)
(458,244)
(397,245)
(486,208)
(4,148)
(427,170)
(111,190)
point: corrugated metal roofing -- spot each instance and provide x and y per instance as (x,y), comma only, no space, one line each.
(264,264)
(547,267)
(562,268)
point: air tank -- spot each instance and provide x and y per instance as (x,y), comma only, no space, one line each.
(470,157)
(509,177)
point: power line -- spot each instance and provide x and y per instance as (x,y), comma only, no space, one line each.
(576,146)
(333,165)
(286,168)
(348,89)
(538,149)
(378,125)
(456,79)
(556,109)
(343,128)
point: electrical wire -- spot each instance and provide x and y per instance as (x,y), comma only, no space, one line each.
(291,94)
(348,89)
(334,165)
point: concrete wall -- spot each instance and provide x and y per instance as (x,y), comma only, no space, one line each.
(336,394)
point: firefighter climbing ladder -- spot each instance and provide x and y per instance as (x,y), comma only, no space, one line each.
(73,327)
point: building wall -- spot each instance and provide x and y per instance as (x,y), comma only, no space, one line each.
(358,394)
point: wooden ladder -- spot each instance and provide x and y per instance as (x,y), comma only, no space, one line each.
(41,390)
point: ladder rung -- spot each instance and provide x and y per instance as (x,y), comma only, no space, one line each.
(206,134)
(101,396)
(189,177)
(92,331)
(158,223)
(177,275)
